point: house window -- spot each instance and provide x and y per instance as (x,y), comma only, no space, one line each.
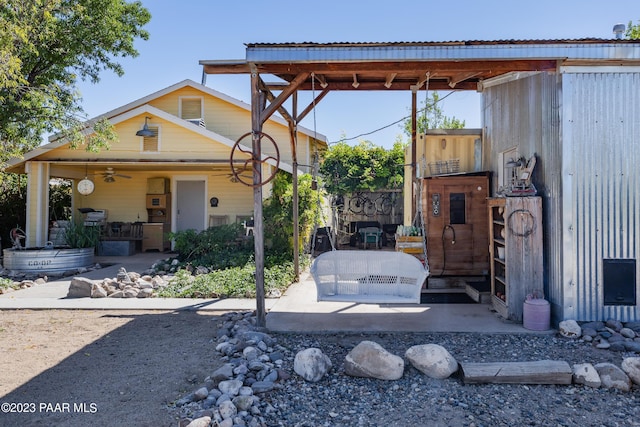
(191,110)
(151,143)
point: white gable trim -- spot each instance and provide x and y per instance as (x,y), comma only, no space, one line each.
(207,90)
(146,110)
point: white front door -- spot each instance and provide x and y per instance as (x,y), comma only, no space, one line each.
(190,205)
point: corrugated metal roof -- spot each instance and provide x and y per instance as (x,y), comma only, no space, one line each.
(590,49)
(446,43)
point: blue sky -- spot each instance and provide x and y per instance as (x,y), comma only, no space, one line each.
(183,33)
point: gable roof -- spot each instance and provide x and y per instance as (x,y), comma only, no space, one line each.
(141,106)
(209,91)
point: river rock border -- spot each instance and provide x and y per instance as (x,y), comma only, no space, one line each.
(236,393)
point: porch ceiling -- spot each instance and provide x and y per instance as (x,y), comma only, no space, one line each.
(76,169)
(384,75)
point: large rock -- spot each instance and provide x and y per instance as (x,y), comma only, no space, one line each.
(80,287)
(569,329)
(230,387)
(311,364)
(370,360)
(586,374)
(432,360)
(200,422)
(98,291)
(631,367)
(613,377)
(227,409)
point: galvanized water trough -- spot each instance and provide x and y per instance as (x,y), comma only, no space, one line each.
(47,260)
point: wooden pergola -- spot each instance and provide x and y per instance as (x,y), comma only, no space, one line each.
(355,67)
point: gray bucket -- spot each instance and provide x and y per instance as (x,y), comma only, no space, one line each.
(47,260)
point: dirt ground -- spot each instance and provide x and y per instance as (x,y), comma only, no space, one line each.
(101,368)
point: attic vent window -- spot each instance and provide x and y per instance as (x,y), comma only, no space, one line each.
(150,143)
(191,110)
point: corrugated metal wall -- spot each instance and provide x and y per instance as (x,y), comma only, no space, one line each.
(602,156)
(585,128)
(526,114)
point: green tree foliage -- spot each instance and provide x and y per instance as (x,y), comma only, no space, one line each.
(13,203)
(633,31)
(45,47)
(364,167)
(278,214)
(431,116)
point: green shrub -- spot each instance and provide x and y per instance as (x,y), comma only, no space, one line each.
(234,282)
(216,247)
(78,236)
(6,283)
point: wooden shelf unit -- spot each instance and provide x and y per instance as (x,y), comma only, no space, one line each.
(515,251)
(155,231)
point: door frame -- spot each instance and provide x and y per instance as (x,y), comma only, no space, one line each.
(174,198)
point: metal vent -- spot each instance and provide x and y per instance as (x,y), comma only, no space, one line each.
(197,122)
(619,277)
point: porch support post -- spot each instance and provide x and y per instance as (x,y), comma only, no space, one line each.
(293,131)
(257,106)
(414,127)
(37,221)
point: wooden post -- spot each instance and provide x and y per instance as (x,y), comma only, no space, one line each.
(257,104)
(414,137)
(293,131)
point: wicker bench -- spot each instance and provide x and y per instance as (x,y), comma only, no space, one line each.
(368,277)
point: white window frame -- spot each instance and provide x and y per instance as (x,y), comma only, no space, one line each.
(503,172)
(159,149)
(181,99)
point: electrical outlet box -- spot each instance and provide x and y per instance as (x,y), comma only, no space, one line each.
(435,204)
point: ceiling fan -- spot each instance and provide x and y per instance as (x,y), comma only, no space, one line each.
(109,175)
(243,172)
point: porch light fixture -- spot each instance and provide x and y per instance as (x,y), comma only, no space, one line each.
(145,131)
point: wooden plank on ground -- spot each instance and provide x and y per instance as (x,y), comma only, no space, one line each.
(537,372)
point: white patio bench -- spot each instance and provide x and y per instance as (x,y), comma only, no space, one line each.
(376,277)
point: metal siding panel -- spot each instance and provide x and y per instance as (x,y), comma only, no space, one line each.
(525,113)
(585,129)
(606,147)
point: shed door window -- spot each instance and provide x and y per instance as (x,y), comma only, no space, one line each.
(457,208)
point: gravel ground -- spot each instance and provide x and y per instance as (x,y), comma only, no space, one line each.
(417,400)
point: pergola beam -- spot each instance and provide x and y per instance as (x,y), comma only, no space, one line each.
(284,95)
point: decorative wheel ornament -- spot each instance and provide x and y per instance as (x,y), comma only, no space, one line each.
(250,163)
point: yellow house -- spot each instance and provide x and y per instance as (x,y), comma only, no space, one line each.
(174,177)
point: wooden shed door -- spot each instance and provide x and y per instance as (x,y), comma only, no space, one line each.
(457,226)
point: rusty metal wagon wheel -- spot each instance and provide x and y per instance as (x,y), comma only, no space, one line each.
(255,163)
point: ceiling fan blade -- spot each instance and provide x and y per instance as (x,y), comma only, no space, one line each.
(122,176)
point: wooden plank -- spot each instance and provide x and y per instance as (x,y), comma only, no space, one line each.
(537,372)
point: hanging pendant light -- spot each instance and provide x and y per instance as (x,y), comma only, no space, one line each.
(145,131)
